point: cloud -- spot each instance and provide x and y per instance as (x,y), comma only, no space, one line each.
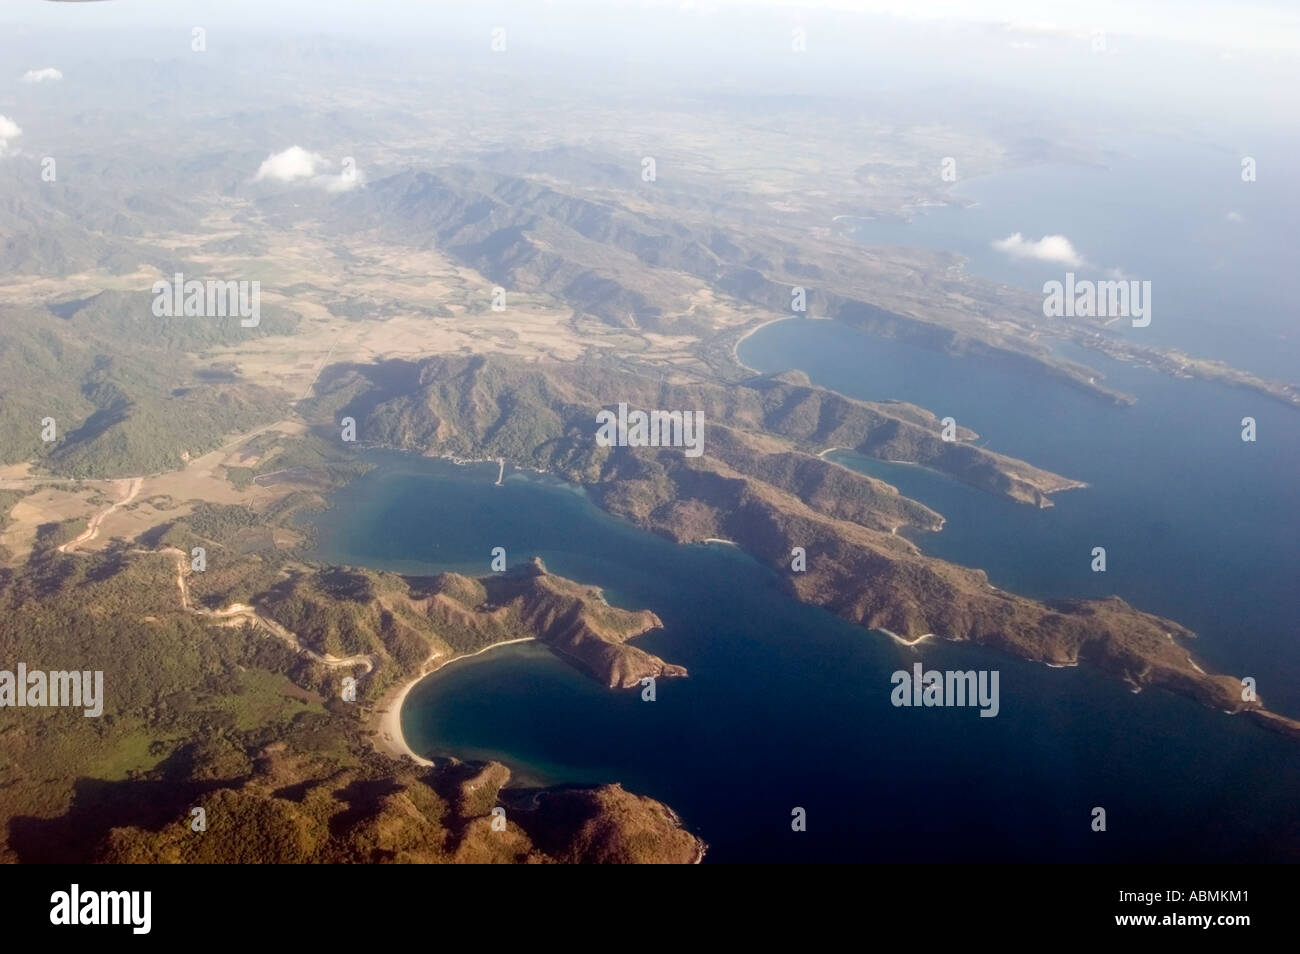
(1050,248)
(296,164)
(9,131)
(289,166)
(40,76)
(1235,217)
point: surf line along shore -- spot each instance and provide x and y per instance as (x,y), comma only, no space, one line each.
(386,717)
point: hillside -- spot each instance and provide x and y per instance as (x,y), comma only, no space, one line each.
(543,416)
(208,709)
(760,484)
(402,620)
(124,388)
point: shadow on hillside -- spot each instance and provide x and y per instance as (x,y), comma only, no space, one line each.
(363,798)
(384,381)
(97,807)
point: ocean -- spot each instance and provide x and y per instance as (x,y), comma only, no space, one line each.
(787,707)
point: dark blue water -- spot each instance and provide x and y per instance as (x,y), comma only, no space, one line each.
(788,707)
(1197,524)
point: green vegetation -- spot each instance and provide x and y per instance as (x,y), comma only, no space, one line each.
(762,484)
(125,396)
(231,719)
(241,478)
(543,416)
(8,498)
(313,456)
(166,676)
(220,522)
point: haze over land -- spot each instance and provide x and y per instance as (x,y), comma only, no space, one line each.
(467,243)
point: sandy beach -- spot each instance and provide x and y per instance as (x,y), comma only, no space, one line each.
(386,717)
(906,642)
(735,348)
(386,720)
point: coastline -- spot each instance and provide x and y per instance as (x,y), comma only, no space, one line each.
(735,348)
(903,641)
(386,717)
(386,723)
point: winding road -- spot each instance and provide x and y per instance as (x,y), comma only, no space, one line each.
(234,610)
(133,486)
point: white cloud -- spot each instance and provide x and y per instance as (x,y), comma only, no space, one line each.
(8,132)
(40,76)
(1235,217)
(296,164)
(289,166)
(1056,249)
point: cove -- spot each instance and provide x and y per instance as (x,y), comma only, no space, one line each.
(1198,525)
(787,706)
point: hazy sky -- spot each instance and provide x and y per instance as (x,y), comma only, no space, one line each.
(1215,62)
(1224,24)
